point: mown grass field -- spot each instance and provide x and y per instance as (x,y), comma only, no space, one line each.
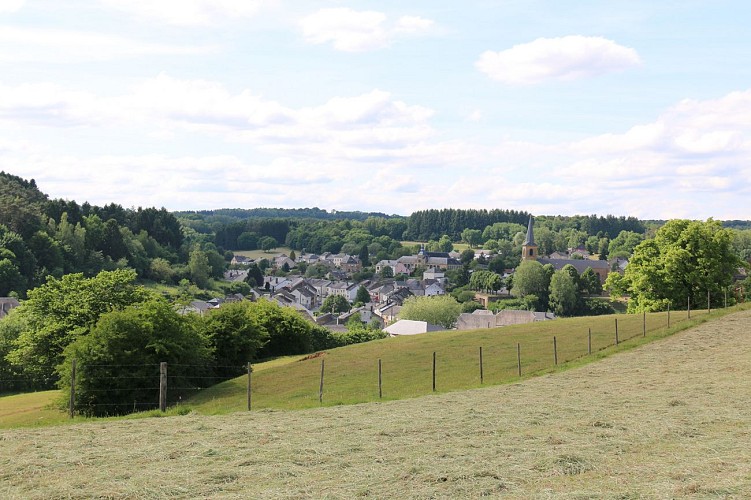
(665,420)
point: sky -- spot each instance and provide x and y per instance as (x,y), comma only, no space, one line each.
(635,108)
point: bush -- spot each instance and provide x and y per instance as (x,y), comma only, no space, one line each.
(118,362)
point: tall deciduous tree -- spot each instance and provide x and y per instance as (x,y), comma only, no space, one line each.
(63,310)
(685,260)
(564,293)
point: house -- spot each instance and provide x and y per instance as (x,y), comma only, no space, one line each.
(432,287)
(388,312)
(241,260)
(411,327)
(282,260)
(6,304)
(347,290)
(434,274)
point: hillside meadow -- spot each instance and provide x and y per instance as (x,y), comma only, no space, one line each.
(664,420)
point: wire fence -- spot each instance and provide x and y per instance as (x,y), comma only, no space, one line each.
(375,373)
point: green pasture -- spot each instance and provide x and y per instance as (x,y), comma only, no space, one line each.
(351,373)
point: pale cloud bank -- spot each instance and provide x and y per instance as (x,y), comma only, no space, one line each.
(59,46)
(564,58)
(188,12)
(349,30)
(8,6)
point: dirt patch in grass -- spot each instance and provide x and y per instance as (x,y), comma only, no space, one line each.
(667,420)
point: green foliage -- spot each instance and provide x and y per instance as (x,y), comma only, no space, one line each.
(59,312)
(564,293)
(255,275)
(268,243)
(200,269)
(684,261)
(471,306)
(467,256)
(473,237)
(362,297)
(336,304)
(531,279)
(440,310)
(589,282)
(234,335)
(624,244)
(486,281)
(288,332)
(118,362)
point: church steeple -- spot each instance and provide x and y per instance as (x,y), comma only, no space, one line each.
(529,248)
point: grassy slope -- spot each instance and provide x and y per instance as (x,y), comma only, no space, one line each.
(662,421)
(351,373)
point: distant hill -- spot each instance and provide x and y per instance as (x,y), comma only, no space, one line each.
(293,213)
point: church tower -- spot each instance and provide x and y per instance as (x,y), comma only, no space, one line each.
(529,248)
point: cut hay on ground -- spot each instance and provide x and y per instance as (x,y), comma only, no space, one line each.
(669,419)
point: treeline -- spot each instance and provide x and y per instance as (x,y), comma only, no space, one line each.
(426,225)
(40,237)
(432,224)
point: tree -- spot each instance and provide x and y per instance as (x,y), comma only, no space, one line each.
(685,260)
(255,275)
(63,310)
(364,255)
(473,237)
(268,243)
(564,294)
(200,269)
(589,282)
(234,335)
(530,279)
(387,272)
(335,304)
(363,296)
(293,256)
(496,264)
(467,256)
(440,310)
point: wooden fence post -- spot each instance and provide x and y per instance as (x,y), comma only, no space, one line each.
(519,358)
(589,342)
(481,374)
(709,302)
(644,325)
(72,402)
(320,387)
(433,371)
(163,386)
(250,394)
(726,298)
(380,380)
(688,307)
(668,314)
(616,331)
(555,350)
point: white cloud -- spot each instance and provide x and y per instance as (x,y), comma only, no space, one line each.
(564,58)
(188,12)
(8,6)
(358,31)
(60,46)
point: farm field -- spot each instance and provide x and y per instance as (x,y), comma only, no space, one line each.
(260,254)
(669,419)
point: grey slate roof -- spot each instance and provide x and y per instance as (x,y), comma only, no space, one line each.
(530,239)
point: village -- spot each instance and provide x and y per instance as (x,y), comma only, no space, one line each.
(422,275)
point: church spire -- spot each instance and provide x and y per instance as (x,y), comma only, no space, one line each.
(529,247)
(530,240)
